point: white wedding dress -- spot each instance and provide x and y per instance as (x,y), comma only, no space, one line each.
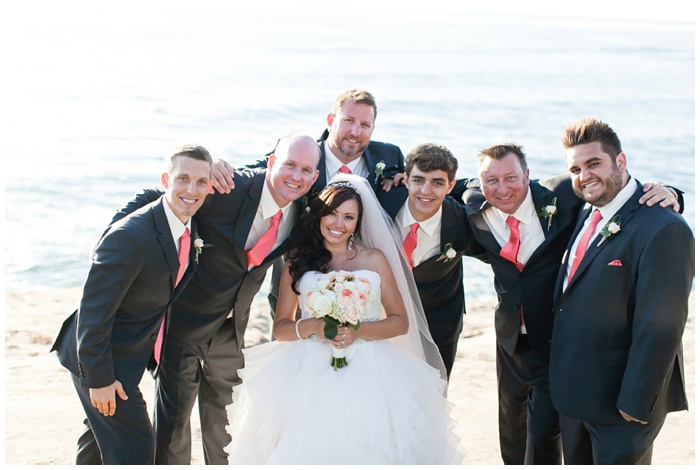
(385,407)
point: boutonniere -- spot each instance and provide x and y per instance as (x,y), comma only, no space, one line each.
(549,212)
(611,228)
(447,254)
(199,245)
(305,204)
(379,169)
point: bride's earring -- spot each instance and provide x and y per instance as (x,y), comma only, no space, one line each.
(351,241)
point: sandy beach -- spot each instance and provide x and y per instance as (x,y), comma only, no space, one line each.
(43,417)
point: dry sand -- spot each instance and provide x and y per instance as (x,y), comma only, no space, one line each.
(43,417)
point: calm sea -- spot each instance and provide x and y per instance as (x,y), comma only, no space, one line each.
(97,98)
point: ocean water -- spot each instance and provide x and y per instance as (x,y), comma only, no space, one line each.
(97,97)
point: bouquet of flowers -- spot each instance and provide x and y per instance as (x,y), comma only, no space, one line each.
(340,298)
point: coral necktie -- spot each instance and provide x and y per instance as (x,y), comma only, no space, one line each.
(182,256)
(510,249)
(583,243)
(410,243)
(262,248)
(344,169)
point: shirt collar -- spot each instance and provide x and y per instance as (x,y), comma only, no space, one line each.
(526,213)
(611,208)
(269,206)
(333,164)
(429,226)
(177,228)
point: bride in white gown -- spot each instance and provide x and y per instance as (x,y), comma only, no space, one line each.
(387,405)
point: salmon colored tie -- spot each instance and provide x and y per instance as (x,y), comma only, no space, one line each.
(510,249)
(182,256)
(410,243)
(346,170)
(583,243)
(262,248)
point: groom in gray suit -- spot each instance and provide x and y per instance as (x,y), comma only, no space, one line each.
(136,272)
(621,304)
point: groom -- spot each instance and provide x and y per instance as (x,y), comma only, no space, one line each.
(135,274)
(203,352)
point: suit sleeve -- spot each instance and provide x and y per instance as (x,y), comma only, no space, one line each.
(141,199)
(665,275)
(117,261)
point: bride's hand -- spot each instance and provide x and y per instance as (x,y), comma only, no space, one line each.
(346,336)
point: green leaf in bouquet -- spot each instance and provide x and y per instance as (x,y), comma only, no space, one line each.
(330,330)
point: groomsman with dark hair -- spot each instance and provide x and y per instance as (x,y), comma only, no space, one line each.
(621,305)
(436,237)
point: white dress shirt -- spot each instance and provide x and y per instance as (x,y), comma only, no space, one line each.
(357,166)
(531,233)
(177,228)
(428,243)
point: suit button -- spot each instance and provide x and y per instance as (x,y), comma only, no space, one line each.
(154,337)
(237,299)
(562,310)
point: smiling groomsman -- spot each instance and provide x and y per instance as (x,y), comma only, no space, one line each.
(525,225)
(436,236)
(621,305)
(138,267)
(243,232)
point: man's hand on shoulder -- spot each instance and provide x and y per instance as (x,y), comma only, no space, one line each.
(397,180)
(659,193)
(222,177)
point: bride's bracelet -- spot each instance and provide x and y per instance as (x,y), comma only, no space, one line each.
(296,328)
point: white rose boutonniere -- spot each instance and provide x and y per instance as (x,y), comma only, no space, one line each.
(379,169)
(549,212)
(613,226)
(447,254)
(199,245)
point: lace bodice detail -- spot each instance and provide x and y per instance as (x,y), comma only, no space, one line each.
(373,310)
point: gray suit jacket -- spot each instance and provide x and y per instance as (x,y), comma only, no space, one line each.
(617,333)
(129,288)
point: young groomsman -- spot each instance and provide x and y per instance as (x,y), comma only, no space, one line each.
(139,266)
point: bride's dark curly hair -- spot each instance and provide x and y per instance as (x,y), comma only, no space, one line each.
(306,251)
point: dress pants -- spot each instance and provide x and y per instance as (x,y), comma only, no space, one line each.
(587,443)
(208,372)
(528,423)
(126,438)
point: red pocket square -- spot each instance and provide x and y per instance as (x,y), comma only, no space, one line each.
(615,263)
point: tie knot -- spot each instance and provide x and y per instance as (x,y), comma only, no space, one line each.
(414,227)
(596,217)
(345,169)
(512,222)
(185,235)
(277,216)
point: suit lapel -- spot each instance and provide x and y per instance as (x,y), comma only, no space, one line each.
(165,238)
(371,162)
(542,197)
(475,207)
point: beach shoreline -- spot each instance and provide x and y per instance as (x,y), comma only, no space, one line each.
(41,405)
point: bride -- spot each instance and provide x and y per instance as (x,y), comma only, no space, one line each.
(384,401)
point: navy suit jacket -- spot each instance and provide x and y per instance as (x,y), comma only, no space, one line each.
(617,332)
(129,288)
(533,288)
(222,283)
